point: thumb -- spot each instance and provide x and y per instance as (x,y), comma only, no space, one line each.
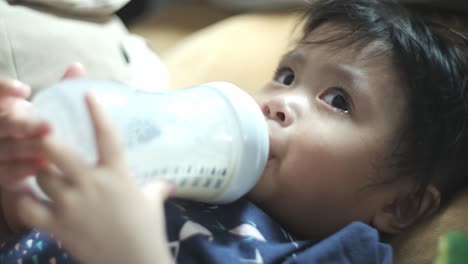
(159,190)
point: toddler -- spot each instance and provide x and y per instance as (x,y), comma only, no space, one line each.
(367,118)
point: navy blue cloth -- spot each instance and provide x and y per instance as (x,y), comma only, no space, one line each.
(235,233)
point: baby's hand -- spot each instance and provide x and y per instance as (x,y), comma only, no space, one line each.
(21,153)
(98,212)
(19,134)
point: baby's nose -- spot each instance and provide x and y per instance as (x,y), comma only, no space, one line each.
(279,111)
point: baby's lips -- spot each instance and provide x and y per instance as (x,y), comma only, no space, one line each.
(270,139)
(273,145)
(271,156)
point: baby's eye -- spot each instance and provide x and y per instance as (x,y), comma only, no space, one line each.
(337,98)
(284,75)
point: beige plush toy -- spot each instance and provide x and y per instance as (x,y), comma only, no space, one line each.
(39,39)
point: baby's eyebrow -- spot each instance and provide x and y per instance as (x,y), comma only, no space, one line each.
(295,57)
(352,74)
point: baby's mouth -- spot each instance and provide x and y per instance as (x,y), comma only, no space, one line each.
(271,156)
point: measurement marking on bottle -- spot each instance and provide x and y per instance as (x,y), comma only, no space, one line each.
(196,182)
(207,183)
(183,182)
(218,184)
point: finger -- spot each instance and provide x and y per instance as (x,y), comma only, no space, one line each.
(107,143)
(16,121)
(14,88)
(159,190)
(15,171)
(76,70)
(20,149)
(52,183)
(35,214)
(70,163)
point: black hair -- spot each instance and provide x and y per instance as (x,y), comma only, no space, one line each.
(429,57)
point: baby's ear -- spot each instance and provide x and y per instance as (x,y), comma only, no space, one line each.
(406,210)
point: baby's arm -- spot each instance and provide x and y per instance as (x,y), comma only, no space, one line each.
(98,212)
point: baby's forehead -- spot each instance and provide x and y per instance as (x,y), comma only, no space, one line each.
(372,58)
(342,44)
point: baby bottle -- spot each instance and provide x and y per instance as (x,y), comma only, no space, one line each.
(210,140)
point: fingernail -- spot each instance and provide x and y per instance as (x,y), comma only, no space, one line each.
(18,84)
(21,87)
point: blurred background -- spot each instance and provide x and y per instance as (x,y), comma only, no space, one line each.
(193,37)
(175,19)
(137,8)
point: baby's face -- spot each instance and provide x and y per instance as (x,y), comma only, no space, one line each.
(333,118)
